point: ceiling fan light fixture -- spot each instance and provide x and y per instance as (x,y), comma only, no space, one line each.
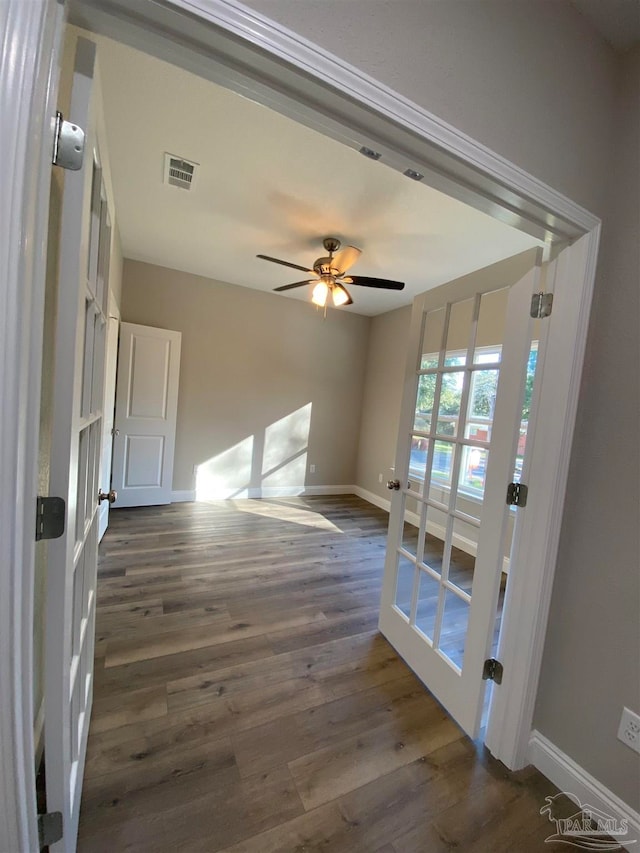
(339,295)
(330,274)
(320,294)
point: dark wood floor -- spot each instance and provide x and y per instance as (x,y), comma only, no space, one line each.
(245,702)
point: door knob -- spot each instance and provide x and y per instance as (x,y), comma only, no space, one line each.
(111,496)
(393,485)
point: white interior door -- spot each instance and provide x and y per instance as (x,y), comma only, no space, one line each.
(111,361)
(146,411)
(459,435)
(75,464)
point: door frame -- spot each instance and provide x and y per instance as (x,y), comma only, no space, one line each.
(29,62)
(224,41)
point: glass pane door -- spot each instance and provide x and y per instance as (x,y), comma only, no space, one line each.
(450,531)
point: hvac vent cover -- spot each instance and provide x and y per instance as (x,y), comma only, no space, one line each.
(179,172)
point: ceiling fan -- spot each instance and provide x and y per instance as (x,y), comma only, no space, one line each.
(329,275)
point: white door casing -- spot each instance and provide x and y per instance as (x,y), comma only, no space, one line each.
(75,463)
(29,62)
(28,86)
(146,412)
(423,606)
(111,359)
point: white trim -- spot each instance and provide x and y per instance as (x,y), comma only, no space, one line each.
(266,492)
(31,36)
(573,779)
(372,498)
(183,496)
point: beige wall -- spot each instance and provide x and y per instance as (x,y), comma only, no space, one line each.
(267,387)
(384,381)
(535,83)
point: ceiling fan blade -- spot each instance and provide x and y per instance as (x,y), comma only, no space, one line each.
(346,258)
(382,283)
(284,263)
(290,286)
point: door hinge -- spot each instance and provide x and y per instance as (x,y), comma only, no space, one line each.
(492,671)
(49,828)
(517,494)
(541,304)
(68,144)
(50,518)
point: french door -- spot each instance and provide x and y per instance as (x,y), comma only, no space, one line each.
(459,439)
(75,464)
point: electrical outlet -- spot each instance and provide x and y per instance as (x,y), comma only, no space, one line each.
(629,729)
(312,469)
(379,478)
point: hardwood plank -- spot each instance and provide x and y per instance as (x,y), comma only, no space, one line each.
(157,784)
(337,769)
(327,663)
(160,623)
(161,670)
(302,733)
(260,802)
(112,712)
(127,651)
(245,702)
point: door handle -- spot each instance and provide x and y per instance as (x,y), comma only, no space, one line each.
(111,496)
(394,485)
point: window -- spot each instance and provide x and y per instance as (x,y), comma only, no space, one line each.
(450,428)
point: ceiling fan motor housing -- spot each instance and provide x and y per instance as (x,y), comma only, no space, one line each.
(323,266)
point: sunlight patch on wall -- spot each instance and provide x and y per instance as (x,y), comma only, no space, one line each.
(284,460)
(265,464)
(226,475)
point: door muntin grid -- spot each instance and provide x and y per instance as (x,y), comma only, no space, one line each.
(89,432)
(456,386)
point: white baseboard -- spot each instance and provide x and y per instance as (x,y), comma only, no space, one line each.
(183,495)
(301,491)
(372,498)
(583,788)
(461,542)
(265,492)
(38,734)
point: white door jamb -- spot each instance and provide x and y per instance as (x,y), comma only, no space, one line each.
(29,54)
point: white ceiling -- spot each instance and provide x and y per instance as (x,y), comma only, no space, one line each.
(268,185)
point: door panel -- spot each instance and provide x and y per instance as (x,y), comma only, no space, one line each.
(460,426)
(75,466)
(146,411)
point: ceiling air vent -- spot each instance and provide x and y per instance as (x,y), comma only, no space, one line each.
(179,172)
